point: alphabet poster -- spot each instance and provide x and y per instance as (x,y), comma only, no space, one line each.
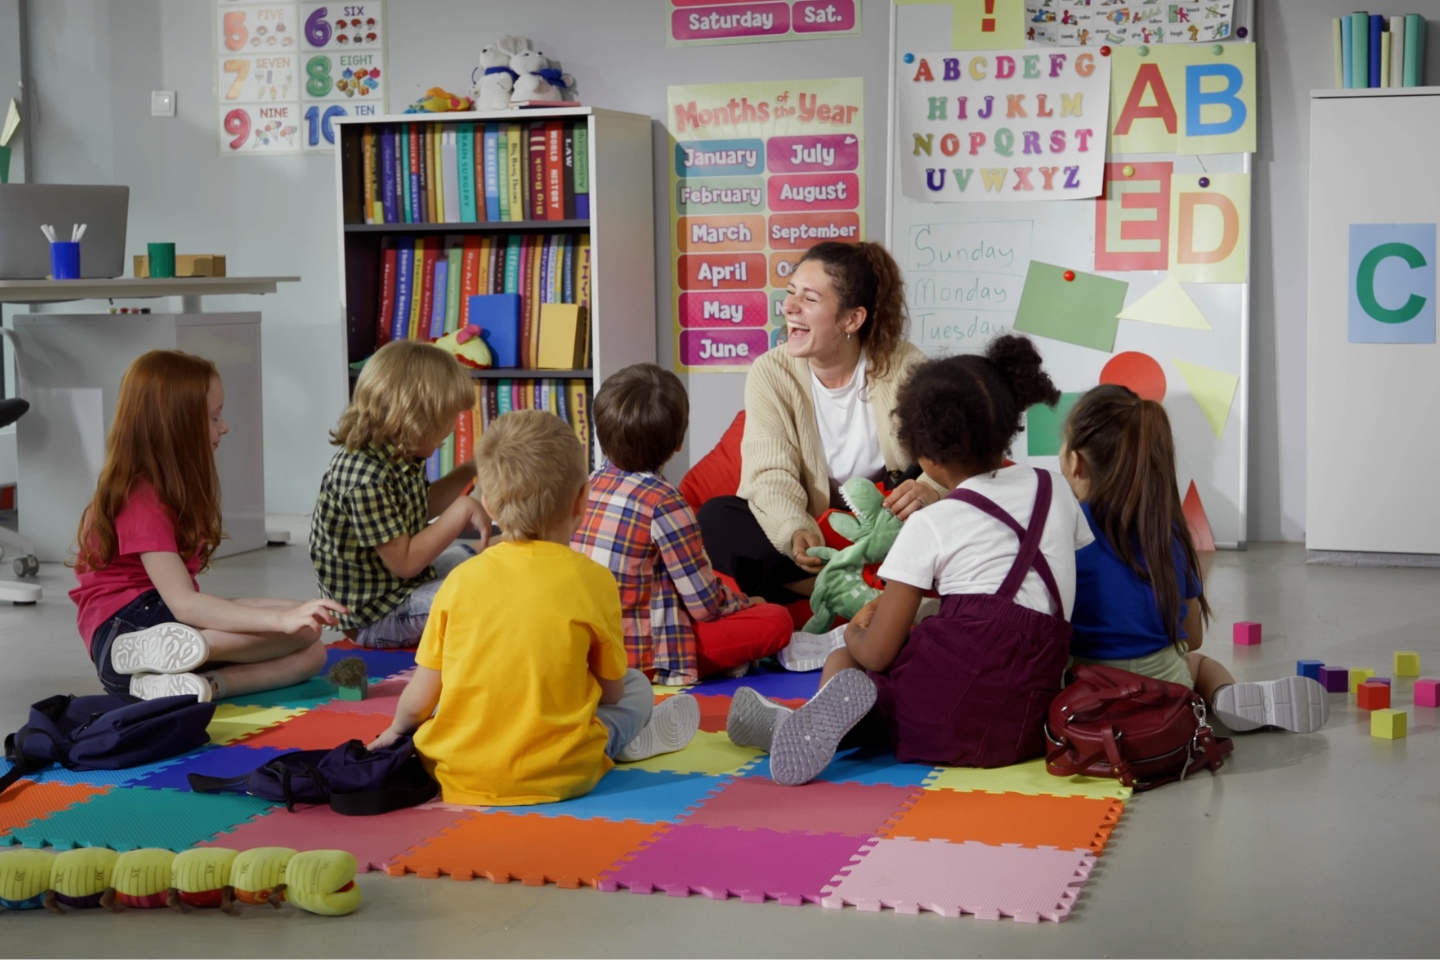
(1002,124)
(759,173)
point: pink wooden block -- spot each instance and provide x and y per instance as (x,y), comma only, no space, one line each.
(1427,693)
(1247,633)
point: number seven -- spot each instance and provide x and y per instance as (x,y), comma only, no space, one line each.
(242,70)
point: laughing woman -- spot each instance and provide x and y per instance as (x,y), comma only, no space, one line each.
(817,413)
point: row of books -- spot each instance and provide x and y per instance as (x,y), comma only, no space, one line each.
(426,283)
(476,172)
(1372,50)
(567,399)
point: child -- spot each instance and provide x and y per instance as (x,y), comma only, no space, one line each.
(681,623)
(152,525)
(530,697)
(969,686)
(1119,457)
(369,538)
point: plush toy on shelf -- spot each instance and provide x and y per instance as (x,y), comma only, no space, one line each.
(437,100)
(537,79)
(467,347)
(493,79)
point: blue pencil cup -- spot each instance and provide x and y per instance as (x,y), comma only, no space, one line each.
(65,260)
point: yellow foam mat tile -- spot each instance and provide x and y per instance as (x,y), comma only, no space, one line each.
(708,753)
(234,721)
(1028,778)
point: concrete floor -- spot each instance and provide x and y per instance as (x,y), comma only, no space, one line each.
(1317,845)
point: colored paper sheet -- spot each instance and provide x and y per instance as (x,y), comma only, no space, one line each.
(1132,219)
(12,123)
(1213,390)
(1001,125)
(1199,524)
(1183,99)
(1138,372)
(695,22)
(1083,311)
(1167,305)
(1210,227)
(1044,427)
(1081,23)
(987,25)
(1391,283)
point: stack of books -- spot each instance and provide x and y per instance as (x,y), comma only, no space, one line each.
(1373,50)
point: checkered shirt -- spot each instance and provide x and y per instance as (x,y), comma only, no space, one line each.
(639,526)
(367,498)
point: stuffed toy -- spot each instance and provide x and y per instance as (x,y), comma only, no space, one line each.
(317,881)
(840,587)
(537,79)
(352,676)
(493,79)
(437,100)
(467,347)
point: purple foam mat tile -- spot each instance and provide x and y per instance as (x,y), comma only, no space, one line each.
(771,680)
(853,809)
(382,663)
(375,841)
(129,817)
(952,879)
(98,778)
(233,760)
(721,862)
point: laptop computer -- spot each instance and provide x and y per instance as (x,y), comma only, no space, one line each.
(24,251)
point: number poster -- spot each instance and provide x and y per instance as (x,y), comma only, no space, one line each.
(285,71)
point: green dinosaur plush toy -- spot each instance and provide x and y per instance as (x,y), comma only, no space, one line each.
(840,587)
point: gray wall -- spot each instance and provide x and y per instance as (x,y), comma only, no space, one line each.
(277,216)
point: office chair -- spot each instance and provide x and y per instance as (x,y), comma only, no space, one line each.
(25,565)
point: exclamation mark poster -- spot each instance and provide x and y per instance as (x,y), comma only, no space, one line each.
(982,24)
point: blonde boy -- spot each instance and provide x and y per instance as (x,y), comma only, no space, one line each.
(371,539)
(530,695)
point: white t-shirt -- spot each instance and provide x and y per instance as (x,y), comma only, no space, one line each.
(957,548)
(847,427)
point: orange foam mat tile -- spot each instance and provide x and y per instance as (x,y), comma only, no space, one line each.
(320,730)
(504,846)
(27,801)
(1029,820)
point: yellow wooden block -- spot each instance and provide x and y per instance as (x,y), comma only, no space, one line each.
(1359,675)
(1388,724)
(1407,663)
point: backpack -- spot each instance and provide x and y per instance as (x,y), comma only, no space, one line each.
(105,732)
(354,781)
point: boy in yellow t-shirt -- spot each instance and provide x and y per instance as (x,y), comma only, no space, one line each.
(531,698)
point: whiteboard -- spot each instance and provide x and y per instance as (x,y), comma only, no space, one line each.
(965,266)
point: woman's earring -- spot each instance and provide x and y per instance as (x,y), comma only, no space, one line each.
(847,336)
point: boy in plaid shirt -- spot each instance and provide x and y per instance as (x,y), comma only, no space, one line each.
(681,622)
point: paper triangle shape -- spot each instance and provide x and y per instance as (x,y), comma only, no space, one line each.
(1214,391)
(1200,534)
(1168,305)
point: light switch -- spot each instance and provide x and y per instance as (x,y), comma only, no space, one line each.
(162,103)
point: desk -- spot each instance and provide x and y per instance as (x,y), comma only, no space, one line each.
(69,367)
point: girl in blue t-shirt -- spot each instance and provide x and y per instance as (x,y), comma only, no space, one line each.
(1119,458)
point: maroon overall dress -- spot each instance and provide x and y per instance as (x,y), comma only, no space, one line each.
(971,686)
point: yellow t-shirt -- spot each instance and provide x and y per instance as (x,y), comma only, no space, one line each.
(519,635)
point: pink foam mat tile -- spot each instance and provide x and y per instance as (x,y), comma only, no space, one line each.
(853,809)
(376,841)
(382,698)
(722,862)
(953,879)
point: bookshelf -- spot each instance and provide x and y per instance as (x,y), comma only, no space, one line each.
(613,148)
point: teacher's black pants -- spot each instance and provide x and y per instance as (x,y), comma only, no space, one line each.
(739,548)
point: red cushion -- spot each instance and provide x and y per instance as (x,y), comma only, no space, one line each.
(717,474)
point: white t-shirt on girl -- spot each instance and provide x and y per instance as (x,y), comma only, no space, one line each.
(847,427)
(957,548)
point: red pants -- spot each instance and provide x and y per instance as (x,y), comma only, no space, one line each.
(749,634)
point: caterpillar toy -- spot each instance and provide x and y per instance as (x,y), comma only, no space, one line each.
(317,881)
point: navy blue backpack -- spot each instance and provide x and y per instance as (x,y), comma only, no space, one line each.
(105,732)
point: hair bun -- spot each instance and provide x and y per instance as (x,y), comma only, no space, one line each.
(1021,365)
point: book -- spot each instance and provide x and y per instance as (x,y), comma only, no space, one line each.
(450,174)
(415,196)
(469,275)
(404,283)
(367,173)
(567,278)
(490,159)
(1385,59)
(441,283)
(389,260)
(466,173)
(1397,50)
(447,455)
(464,437)
(542,104)
(407,208)
(1347,51)
(1337,50)
(502,176)
(554,200)
(530,300)
(429,173)
(498,317)
(535,172)
(388,203)
(426,286)
(577,395)
(582,170)
(582,271)
(477,422)
(515,171)
(504,393)
(1377,24)
(454,254)
(1360,50)
(510,282)
(1414,73)
(563,332)
(567,175)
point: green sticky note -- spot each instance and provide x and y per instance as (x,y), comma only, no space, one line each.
(1084,310)
(1045,428)
(4,164)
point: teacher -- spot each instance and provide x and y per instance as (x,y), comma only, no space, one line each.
(817,413)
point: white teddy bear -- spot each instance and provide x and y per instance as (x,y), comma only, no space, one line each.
(536,79)
(494,78)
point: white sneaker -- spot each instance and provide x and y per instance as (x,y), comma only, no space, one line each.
(152,686)
(1297,704)
(672,726)
(807,739)
(163,648)
(808,651)
(753,718)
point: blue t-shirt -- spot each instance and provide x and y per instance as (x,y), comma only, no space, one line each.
(1116,616)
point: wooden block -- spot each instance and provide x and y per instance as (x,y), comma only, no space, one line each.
(1247,634)
(1359,675)
(1374,695)
(1334,679)
(1388,724)
(1308,668)
(1427,693)
(1407,663)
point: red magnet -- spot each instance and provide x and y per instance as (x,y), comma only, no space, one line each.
(1104,51)
(1069,275)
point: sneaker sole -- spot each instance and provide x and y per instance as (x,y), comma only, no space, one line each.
(1297,704)
(809,651)
(752,719)
(806,740)
(152,686)
(672,726)
(164,648)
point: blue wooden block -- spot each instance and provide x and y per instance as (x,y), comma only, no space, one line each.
(1309,668)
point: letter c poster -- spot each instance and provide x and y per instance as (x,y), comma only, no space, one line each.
(759,173)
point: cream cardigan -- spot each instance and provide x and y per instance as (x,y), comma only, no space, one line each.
(783,473)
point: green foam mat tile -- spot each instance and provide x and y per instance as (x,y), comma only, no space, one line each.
(302,696)
(130,817)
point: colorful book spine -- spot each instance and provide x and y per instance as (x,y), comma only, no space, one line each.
(554,170)
(503,184)
(535,172)
(582,272)
(432,466)
(389,260)
(450,173)
(434,205)
(454,257)
(567,176)
(1377,24)
(465,172)
(1414,50)
(582,170)
(417,183)
(469,275)
(447,455)
(407,205)
(511,281)
(1347,51)
(490,158)
(567,275)
(464,437)
(388,201)
(504,393)
(1397,50)
(367,173)
(426,196)
(1385,58)
(531,301)
(577,395)
(418,300)
(404,284)
(1360,52)
(441,284)
(515,177)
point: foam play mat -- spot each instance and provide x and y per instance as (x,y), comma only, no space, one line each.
(869,833)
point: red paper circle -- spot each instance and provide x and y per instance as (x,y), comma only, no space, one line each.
(1139,372)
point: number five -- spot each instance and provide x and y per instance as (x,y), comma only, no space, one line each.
(235,32)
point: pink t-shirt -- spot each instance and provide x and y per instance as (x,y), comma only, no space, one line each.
(144,525)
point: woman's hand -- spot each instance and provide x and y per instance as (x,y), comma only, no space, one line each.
(802,541)
(910,496)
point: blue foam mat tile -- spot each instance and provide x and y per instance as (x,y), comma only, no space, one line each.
(233,760)
(770,679)
(127,818)
(99,778)
(640,795)
(870,767)
(302,696)
(382,663)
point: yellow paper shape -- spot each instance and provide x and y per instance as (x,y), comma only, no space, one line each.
(1210,227)
(1149,112)
(12,123)
(1028,778)
(968,19)
(1213,390)
(708,753)
(233,721)
(1169,306)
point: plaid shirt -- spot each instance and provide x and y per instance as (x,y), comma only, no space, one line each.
(639,526)
(367,498)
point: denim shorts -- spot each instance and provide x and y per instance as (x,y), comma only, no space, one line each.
(144,611)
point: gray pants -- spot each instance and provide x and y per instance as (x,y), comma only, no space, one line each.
(627,718)
(403,626)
